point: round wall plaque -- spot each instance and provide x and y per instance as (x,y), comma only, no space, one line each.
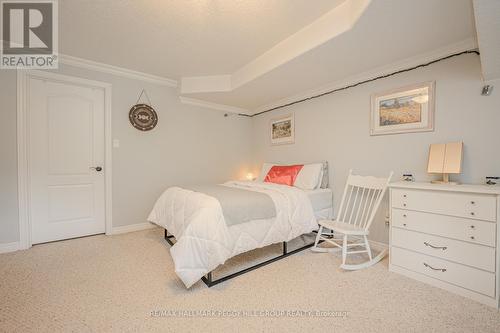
(143,117)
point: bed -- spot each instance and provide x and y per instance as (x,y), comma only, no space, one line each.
(207,225)
(321,201)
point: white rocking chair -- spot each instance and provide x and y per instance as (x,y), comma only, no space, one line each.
(360,201)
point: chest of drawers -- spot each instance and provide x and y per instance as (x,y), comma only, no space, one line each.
(447,236)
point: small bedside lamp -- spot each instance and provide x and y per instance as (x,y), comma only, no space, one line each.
(445,158)
(250,176)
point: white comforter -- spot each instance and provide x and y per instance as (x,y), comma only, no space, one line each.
(204,241)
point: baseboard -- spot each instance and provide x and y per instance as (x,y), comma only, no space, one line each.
(132,227)
(378,245)
(15,246)
(10,247)
(375,245)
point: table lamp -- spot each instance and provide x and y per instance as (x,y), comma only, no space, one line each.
(445,158)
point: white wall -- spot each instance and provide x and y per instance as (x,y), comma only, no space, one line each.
(196,145)
(189,145)
(336,128)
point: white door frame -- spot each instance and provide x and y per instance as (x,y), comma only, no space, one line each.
(23,163)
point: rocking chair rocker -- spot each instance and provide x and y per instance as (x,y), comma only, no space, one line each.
(360,201)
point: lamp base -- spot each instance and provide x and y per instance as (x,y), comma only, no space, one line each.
(445,181)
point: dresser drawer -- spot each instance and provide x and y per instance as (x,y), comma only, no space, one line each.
(474,206)
(478,256)
(475,231)
(463,276)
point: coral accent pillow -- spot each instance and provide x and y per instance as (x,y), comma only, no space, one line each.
(283,174)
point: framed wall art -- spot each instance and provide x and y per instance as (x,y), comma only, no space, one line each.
(404,110)
(282,130)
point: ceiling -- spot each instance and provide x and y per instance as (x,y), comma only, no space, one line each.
(175,38)
(487,14)
(276,39)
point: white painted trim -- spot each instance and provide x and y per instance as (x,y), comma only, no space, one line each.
(115,70)
(108,157)
(210,105)
(9,247)
(22,163)
(62,78)
(133,227)
(23,147)
(464,45)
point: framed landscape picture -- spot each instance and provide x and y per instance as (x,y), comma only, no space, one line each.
(282,130)
(405,110)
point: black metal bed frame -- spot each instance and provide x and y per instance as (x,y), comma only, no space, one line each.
(208,279)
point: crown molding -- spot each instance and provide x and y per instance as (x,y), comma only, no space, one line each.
(115,70)
(110,69)
(467,44)
(213,106)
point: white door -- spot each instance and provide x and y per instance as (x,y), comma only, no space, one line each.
(66,160)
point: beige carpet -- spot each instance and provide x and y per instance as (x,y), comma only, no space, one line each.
(126,283)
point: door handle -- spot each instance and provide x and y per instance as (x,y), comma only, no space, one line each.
(97,168)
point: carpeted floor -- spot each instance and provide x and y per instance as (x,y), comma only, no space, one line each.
(126,283)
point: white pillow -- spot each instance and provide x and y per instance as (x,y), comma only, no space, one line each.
(321,176)
(264,171)
(309,177)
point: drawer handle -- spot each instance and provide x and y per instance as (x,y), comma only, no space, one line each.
(472,202)
(404,224)
(404,205)
(435,247)
(472,213)
(472,237)
(435,269)
(404,195)
(404,215)
(472,227)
